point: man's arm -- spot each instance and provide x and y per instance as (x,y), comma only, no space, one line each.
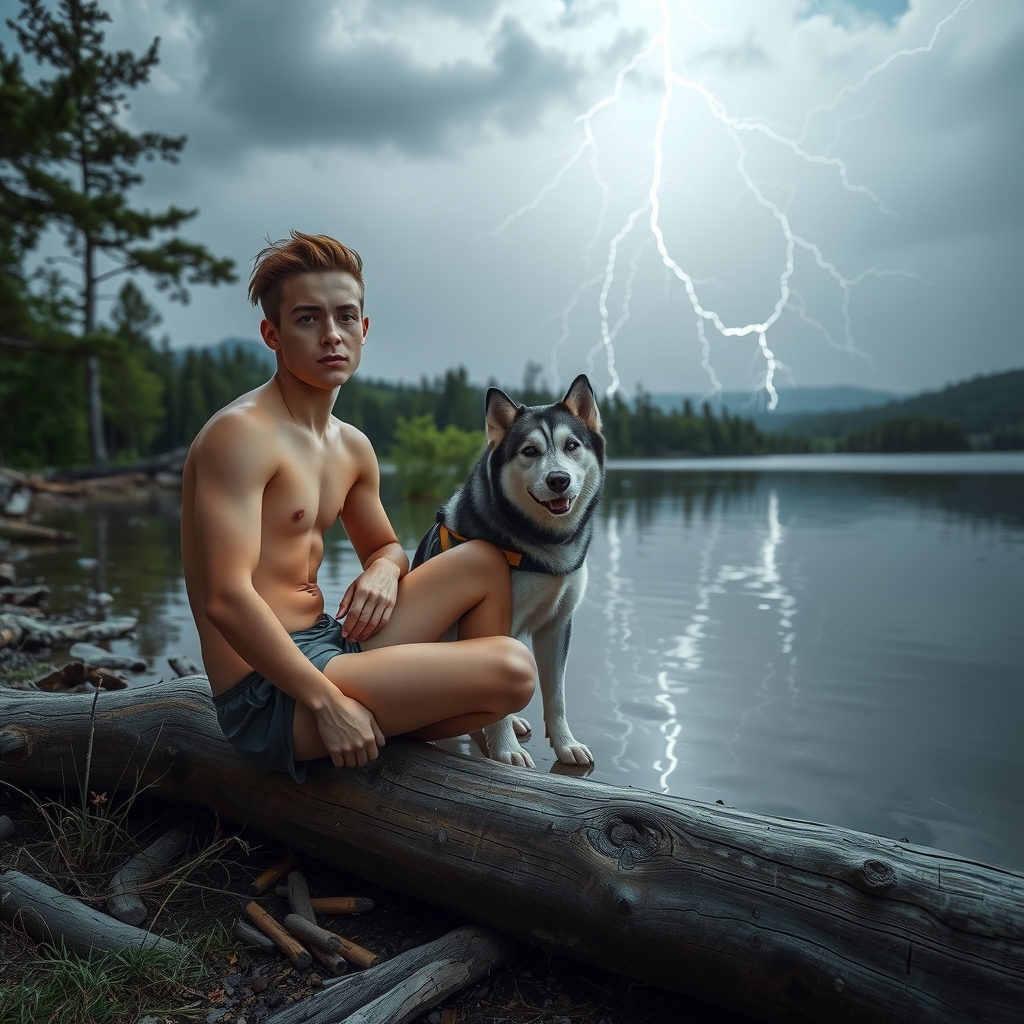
(233,464)
(370,598)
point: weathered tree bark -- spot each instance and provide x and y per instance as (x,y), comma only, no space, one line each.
(478,949)
(429,986)
(124,902)
(780,919)
(49,915)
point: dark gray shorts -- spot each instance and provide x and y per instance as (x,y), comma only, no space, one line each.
(257,717)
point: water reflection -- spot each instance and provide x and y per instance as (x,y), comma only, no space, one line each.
(842,648)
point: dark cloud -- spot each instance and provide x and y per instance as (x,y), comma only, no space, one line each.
(274,79)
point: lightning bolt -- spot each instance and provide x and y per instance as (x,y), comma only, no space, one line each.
(787,300)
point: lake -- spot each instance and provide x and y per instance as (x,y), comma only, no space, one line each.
(834,638)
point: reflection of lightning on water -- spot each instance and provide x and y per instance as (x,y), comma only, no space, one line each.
(763,580)
(617,613)
(786,301)
(688,650)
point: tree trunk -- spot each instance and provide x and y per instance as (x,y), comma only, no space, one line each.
(784,920)
(94,409)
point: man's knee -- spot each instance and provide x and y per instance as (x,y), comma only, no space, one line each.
(489,560)
(517,670)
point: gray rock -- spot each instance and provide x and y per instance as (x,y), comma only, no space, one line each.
(215,1015)
(19,502)
(434,1018)
(99,658)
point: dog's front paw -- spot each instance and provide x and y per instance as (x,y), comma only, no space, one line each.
(575,753)
(566,748)
(512,754)
(521,726)
(503,746)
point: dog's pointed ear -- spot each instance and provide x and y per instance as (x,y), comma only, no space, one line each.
(581,401)
(499,414)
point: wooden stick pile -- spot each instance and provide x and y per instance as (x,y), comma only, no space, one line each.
(382,993)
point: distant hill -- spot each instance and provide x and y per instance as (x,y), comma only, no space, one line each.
(792,402)
(980,406)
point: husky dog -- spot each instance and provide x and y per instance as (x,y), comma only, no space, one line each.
(533,493)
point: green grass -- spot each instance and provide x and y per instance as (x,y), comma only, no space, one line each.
(29,672)
(102,988)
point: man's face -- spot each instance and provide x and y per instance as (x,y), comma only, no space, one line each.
(322,331)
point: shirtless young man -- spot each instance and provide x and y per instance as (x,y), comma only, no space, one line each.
(264,479)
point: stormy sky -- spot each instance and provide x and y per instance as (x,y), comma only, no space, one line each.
(413,129)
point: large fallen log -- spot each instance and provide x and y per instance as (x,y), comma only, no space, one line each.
(784,920)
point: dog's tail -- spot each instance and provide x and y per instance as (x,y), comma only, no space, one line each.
(431,543)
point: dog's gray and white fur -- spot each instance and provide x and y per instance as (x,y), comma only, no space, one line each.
(533,492)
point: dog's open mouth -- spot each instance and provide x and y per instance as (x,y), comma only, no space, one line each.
(557,506)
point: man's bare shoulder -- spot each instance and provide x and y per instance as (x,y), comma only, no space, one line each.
(356,445)
(244,431)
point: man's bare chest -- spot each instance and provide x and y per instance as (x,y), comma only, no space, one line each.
(307,497)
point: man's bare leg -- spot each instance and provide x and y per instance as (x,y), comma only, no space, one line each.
(414,685)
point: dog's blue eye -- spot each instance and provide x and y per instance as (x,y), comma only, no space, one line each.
(529,451)
(571,445)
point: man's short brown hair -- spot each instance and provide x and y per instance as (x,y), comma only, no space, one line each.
(298,254)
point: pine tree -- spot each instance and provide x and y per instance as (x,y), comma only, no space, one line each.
(81,182)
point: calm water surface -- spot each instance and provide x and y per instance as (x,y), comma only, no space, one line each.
(794,638)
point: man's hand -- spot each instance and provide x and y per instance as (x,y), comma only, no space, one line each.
(369,600)
(349,731)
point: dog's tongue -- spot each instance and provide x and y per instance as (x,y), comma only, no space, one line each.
(559,504)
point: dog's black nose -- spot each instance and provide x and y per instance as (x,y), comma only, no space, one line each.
(557,482)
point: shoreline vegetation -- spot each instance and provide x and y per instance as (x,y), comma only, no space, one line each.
(157,399)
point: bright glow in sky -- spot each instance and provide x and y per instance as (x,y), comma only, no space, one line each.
(411,129)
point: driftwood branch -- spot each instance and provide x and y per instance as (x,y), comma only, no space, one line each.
(311,934)
(244,932)
(54,634)
(272,875)
(172,460)
(294,951)
(12,529)
(429,986)
(297,894)
(784,920)
(124,902)
(478,950)
(50,916)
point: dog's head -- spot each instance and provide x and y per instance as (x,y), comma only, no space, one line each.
(548,459)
